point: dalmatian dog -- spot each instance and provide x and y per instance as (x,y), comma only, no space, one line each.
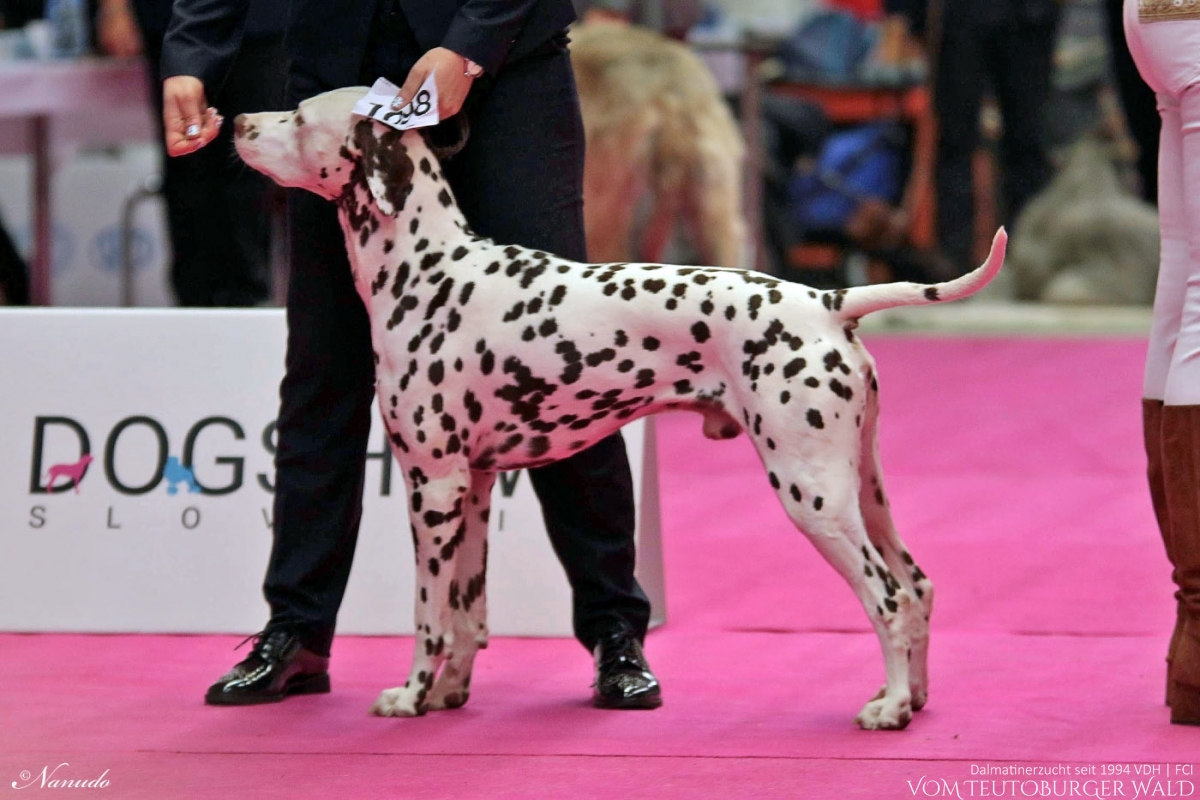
(494,357)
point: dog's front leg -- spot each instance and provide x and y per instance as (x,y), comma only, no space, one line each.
(437,510)
(468,600)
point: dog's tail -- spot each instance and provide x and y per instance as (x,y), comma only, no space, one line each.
(859,301)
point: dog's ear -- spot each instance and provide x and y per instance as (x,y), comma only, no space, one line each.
(448,136)
(387,168)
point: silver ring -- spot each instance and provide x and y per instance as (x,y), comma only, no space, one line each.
(192,131)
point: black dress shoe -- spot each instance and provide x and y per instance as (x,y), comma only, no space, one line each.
(623,678)
(278,666)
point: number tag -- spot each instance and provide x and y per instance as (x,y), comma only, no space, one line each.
(421,111)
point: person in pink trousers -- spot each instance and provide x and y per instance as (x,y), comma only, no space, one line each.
(1164,39)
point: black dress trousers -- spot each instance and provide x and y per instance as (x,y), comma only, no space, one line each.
(1009,46)
(218,210)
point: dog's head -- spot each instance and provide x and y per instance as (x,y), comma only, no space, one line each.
(324,148)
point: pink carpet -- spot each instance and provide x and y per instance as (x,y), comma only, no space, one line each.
(1016,476)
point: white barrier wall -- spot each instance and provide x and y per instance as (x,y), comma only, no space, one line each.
(144,544)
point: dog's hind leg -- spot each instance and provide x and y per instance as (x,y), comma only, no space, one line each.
(830,517)
(880,527)
(437,508)
(468,600)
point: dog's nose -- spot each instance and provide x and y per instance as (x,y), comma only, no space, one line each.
(240,125)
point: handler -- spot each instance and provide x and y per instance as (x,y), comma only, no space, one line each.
(519,180)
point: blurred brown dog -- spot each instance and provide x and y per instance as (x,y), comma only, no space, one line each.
(659,136)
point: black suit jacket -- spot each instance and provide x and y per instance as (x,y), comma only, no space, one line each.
(327,39)
(263,18)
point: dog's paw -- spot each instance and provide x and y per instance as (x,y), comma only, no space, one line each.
(398,702)
(918,683)
(449,700)
(453,685)
(884,713)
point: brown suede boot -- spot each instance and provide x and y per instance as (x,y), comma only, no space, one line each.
(1172,647)
(1185,675)
(1152,439)
(1181,484)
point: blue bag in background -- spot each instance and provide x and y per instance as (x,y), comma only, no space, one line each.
(854,165)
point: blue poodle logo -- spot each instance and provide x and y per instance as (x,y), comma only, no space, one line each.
(104,251)
(176,473)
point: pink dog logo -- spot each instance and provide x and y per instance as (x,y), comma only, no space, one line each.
(74,472)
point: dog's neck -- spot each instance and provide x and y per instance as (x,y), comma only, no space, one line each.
(432,203)
(427,220)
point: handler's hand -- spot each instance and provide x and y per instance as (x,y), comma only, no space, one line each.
(447,67)
(188,121)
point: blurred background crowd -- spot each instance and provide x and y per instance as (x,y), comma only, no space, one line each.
(831,142)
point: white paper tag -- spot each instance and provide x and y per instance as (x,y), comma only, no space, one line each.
(421,111)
